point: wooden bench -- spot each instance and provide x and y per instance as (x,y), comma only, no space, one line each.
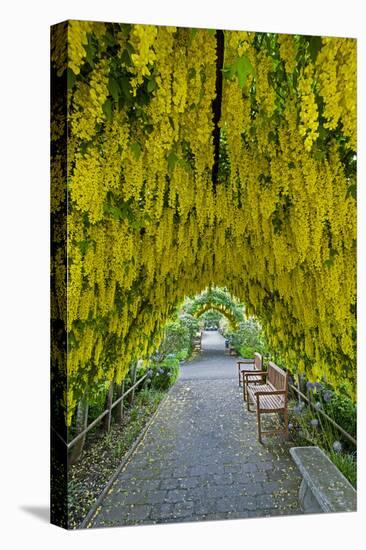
(197,345)
(257,363)
(323,488)
(197,341)
(270,396)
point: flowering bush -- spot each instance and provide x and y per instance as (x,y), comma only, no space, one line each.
(308,426)
(163,375)
(248,339)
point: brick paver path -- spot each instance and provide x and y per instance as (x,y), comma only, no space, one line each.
(200,458)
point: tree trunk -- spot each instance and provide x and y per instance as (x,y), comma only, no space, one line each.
(108,404)
(119,407)
(81,424)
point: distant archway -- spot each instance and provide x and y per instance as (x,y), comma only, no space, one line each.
(219,300)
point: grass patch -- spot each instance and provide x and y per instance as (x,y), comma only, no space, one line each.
(347,465)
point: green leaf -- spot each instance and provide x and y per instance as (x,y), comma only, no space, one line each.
(84,147)
(109,38)
(252,131)
(243,69)
(107,110)
(229,71)
(125,57)
(149,128)
(70,78)
(315,44)
(172,159)
(83,246)
(136,149)
(319,154)
(352,191)
(116,212)
(211,31)
(125,86)
(90,52)
(114,88)
(125,29)
(151,85)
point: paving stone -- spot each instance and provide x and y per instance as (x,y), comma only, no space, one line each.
(162,511)
(140,512)
(136,498)
(176,495)
(189,482)
(250,467)
(200,459)
(170,483)
(265,501)
(158,497)
(253,489)
(259,477)
(183,509)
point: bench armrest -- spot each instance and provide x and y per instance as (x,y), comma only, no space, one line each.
(277,392)
(246,362)
(247,373)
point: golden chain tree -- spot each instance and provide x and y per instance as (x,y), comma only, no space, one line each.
(146,223)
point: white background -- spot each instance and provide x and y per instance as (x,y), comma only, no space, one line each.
(24,301)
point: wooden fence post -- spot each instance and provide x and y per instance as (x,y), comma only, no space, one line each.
(119,407)
(134,374)
(109,401)
(81,424)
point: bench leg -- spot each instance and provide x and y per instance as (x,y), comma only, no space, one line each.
(239,373)
(259,426)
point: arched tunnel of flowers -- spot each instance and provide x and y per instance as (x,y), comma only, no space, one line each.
(198,158)
(219,300)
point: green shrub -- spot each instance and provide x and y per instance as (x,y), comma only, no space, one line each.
(343,411)
(182,354)
(177,338)
(163,375)
(248,338)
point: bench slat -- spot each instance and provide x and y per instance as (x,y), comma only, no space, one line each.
(267,401)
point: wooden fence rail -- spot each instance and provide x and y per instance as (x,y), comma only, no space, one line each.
(339,428)
(104,413)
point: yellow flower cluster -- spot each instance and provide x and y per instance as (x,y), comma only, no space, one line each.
(77,39)
(87,103)
(288,51)
(146,227)
(336,65)
(142,40)
(309,111)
